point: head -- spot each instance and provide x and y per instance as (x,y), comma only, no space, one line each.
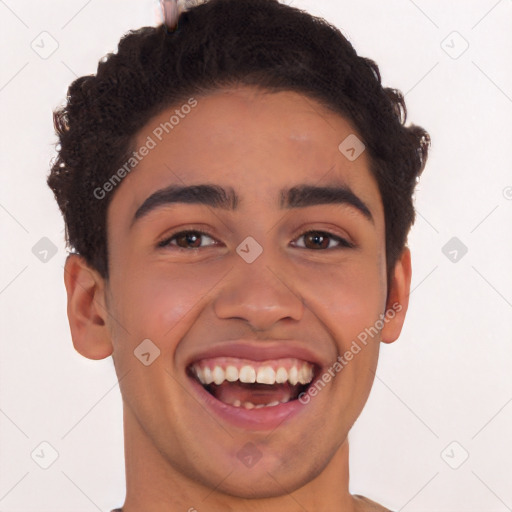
(257,98)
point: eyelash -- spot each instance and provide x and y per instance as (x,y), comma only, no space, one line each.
(344,244)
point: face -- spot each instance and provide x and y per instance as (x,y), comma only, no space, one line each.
(269,281)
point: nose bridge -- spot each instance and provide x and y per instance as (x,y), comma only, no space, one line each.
(260,291)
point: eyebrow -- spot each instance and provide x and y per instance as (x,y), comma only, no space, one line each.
(300,196)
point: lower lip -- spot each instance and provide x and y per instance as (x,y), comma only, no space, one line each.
(265,418)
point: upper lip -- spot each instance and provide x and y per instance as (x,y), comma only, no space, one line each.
(260,350)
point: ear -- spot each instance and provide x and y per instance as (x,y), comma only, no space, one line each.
(87,311)
(398,298)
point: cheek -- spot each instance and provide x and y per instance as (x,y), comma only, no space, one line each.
(349,297)
(157,299)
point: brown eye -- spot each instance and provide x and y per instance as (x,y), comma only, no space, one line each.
(321,240)
(185,239)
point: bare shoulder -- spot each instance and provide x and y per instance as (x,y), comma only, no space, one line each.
(366,505)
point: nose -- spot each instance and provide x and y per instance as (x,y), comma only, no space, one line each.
(258,294)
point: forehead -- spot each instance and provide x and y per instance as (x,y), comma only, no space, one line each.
(255,142)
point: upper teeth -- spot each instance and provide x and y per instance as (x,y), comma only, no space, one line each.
(268,372)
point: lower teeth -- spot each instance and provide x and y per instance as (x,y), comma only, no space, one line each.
(250,405)
(287,394)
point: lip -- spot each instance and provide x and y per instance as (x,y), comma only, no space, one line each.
(266,418)
(262,350)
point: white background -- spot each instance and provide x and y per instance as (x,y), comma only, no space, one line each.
(446,379)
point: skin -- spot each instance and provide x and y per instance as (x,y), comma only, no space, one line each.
(177,456)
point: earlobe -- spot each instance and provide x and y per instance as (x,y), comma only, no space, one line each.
(86,309)
(398,298)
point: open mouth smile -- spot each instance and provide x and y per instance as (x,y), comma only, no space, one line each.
(253,384)
(252,394)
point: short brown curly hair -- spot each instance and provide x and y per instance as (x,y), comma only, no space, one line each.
(218,44)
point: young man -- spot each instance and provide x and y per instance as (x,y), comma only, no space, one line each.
(237,193)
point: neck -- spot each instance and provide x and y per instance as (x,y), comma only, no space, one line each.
(154,484)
